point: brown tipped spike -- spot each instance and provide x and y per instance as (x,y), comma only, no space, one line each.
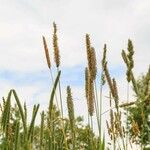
(55,46)
(116,98)
(90,97)
(46,52)
(108,78)
(93,70)
(70,107)
(86,82)
(104,55)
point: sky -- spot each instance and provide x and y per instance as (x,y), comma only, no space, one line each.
(22,59)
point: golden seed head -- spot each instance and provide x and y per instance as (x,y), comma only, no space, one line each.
(86,82)
(104,55)
(128,59)
(88,43)
(108,78)
(89,89)
(91,58)
(88,50)
(116,97)
(93,70)
(90,97)
(55,27)
(55,46)
(103,65)
(135,128)
(128,63)
(131,53)
(70,107)
(46,52)
(125,58)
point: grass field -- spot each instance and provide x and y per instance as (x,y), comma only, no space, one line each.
(58,132)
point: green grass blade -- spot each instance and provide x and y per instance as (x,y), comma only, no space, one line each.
(21,111)
(53,93)
(6,111)
(35,110)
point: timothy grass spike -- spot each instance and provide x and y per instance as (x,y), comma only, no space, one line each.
(116,97)
(55,46)
(93,61)
(90,97)
(46,52)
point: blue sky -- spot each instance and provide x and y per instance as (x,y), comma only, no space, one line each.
(22,59)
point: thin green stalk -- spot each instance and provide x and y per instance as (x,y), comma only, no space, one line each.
(52,94)
(100,110)
(103,143)
(127,116)
(61,103)
(97,112)
(51,102)
(55,92)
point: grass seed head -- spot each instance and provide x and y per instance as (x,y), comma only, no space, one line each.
(90,97)
(116,97)
(93,70)
(86,82)
(135,128)
(55,46)
(70,107)
(130,53)
(46,52)
(108,78)
(88,42)
(104,55)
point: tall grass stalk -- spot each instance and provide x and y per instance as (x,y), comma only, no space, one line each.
(49,64)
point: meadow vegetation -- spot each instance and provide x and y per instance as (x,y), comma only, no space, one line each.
(58,132)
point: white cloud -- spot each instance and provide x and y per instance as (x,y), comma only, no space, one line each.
(113,22)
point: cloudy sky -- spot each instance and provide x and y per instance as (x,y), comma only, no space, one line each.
(22,59)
